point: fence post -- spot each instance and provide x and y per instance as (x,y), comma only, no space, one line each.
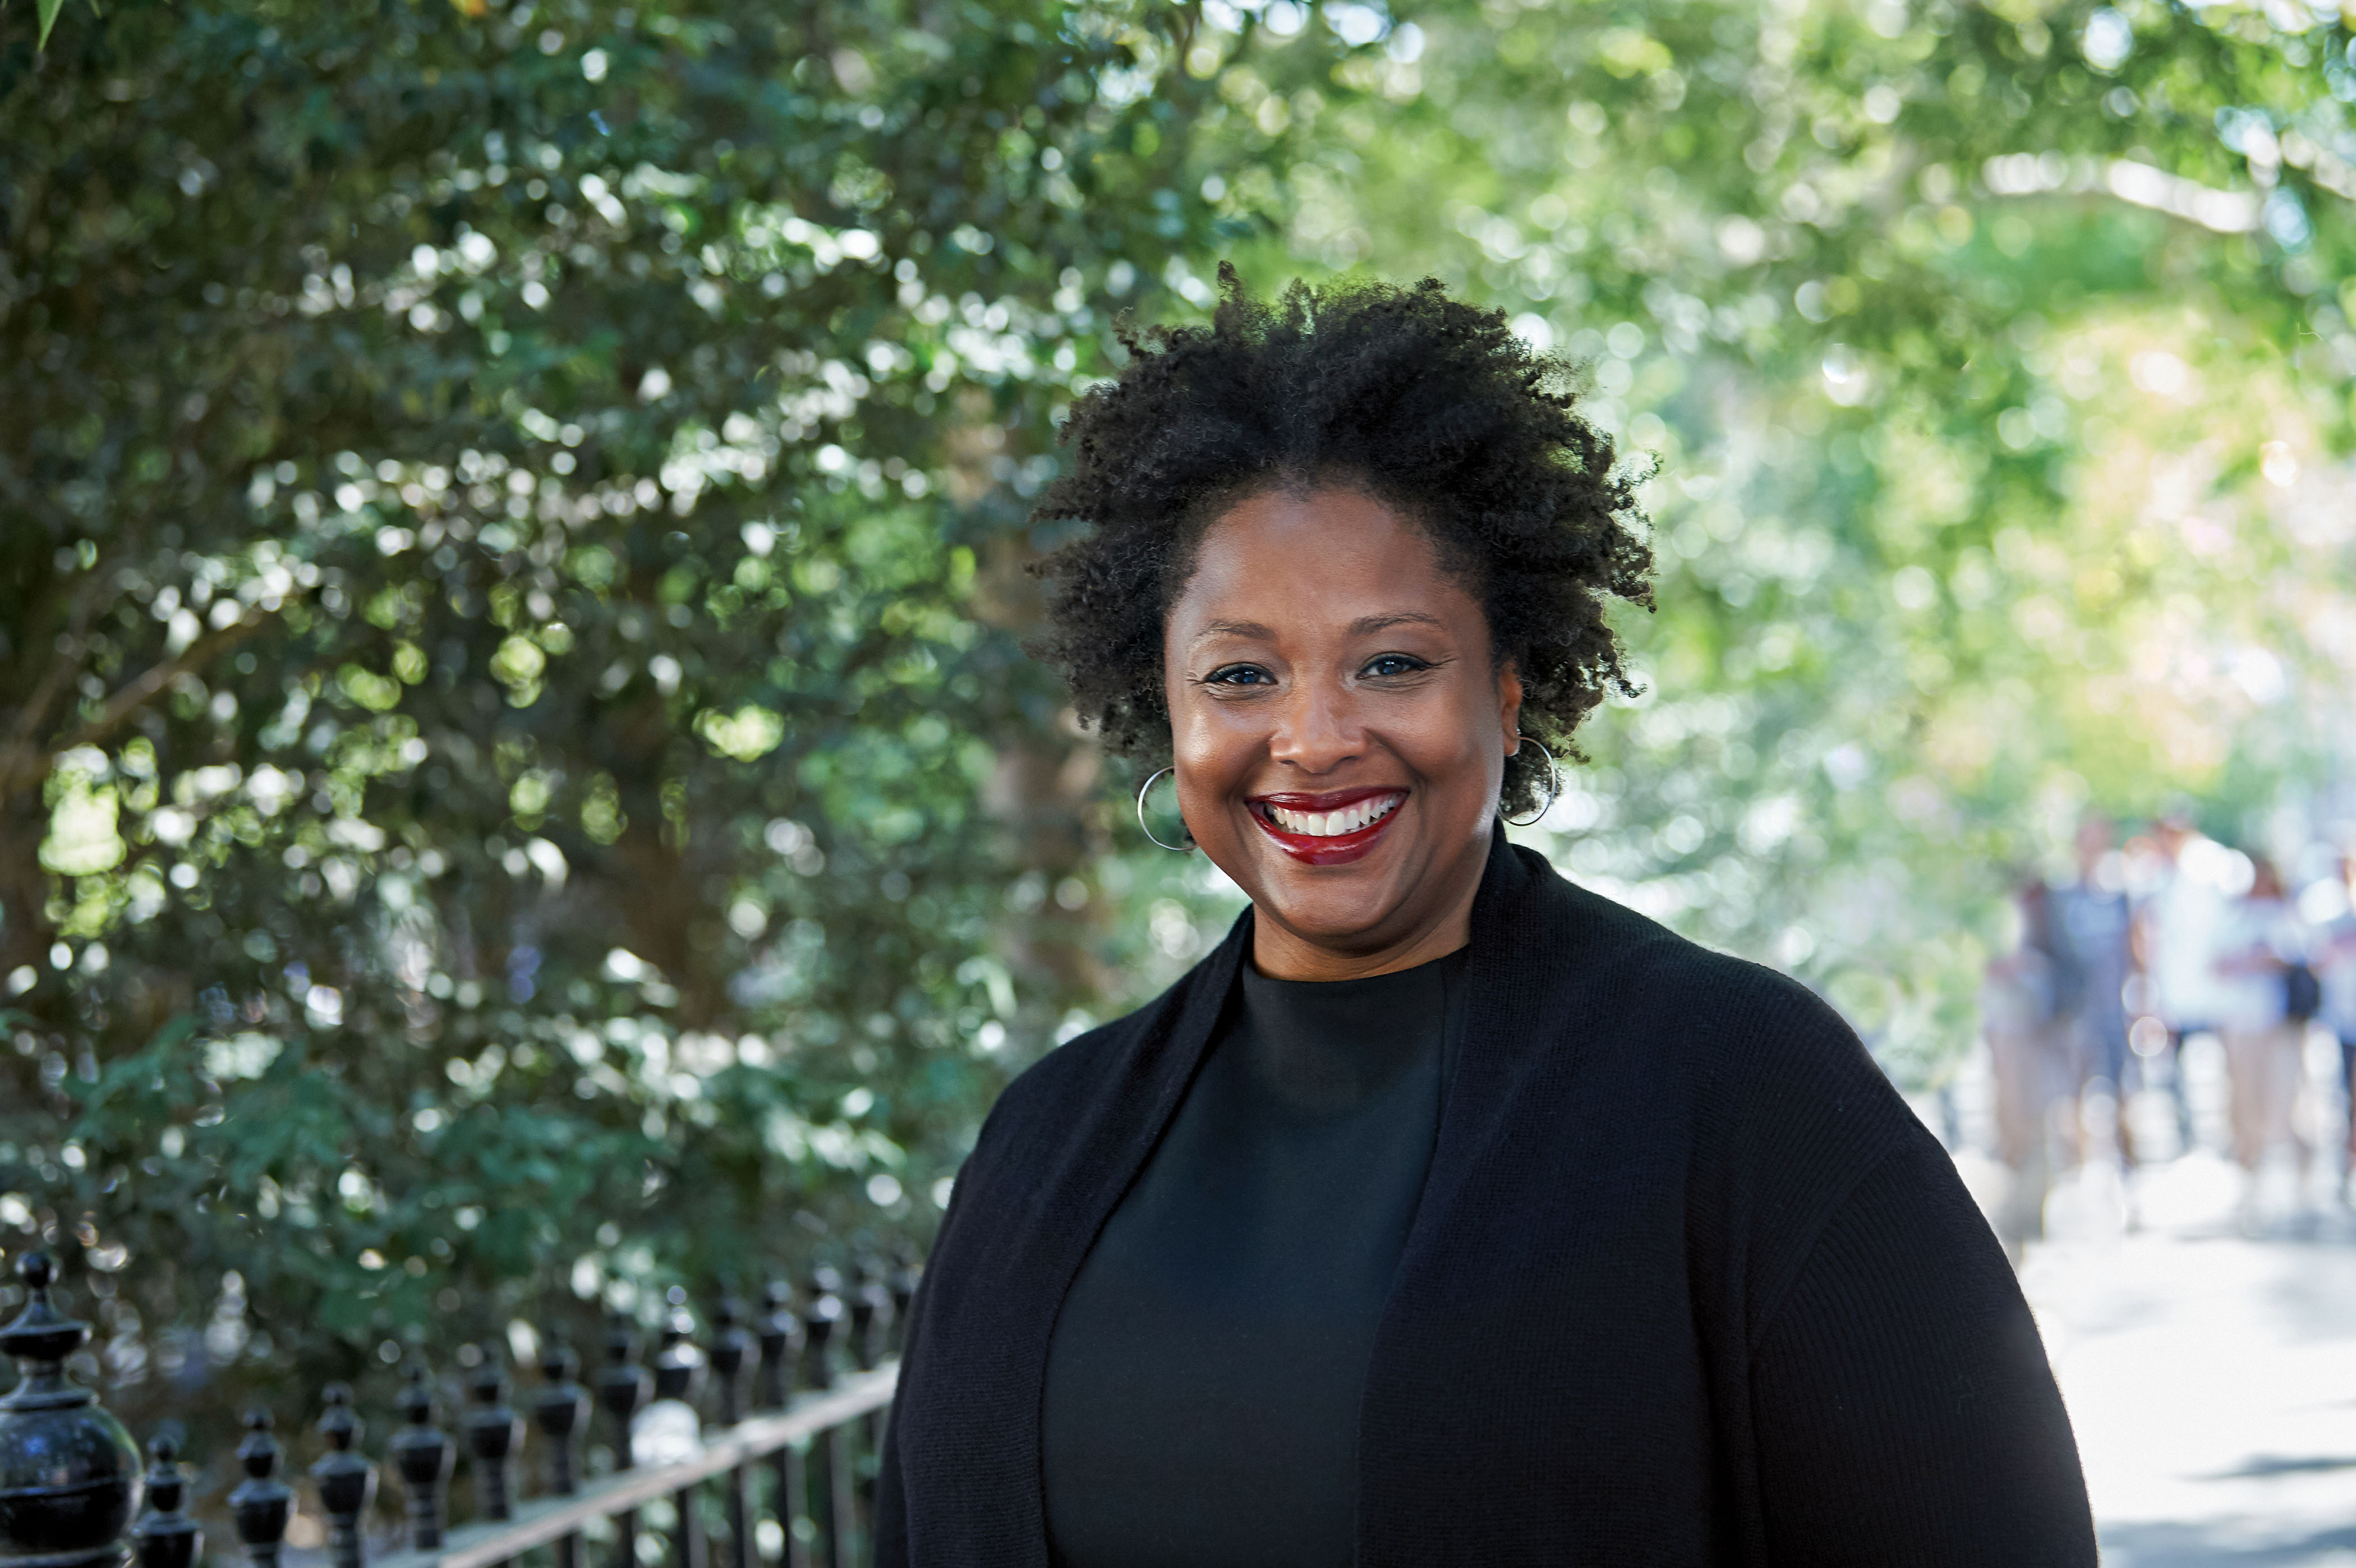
(731,1348)
(69,1471)
(780,1332)
(832,1496)
(164,1537)
(345,1480)
(871,1323)
(493,1430)
(621,1389)
(678,1375)
(263,1504)
(423,1456)
(558,1409)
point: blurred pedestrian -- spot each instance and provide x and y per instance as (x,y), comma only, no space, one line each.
(2261,951)
(2176,932)
(2020,1012)
(2092,926)
(2331,949)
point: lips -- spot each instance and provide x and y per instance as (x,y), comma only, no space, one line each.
(1329,829)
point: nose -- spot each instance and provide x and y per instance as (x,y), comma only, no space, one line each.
(1318,729)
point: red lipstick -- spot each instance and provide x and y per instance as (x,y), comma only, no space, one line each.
(1326,849)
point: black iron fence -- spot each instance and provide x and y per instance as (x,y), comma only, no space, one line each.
(781,1475)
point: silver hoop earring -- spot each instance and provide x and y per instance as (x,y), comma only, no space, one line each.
(1554,781)
(1141,789)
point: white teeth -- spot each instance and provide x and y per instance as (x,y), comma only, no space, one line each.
(1332,824)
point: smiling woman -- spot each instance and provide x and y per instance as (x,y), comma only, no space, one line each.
(1446,1212)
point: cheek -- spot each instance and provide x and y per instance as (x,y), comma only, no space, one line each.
(1204,747)
(1459,740)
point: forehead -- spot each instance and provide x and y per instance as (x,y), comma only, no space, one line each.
(1304,561)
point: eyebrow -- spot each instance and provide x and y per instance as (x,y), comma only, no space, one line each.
(1248,629)
(1364,626)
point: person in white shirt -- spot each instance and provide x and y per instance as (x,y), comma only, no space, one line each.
(2175,940)
(2181,924)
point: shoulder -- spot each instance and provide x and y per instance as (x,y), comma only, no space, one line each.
(1054,1090)
(1787,1114)
(1074,1071)
(1782,1107)
(1715,1014)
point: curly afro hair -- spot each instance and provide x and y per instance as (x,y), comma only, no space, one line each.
(1430,404)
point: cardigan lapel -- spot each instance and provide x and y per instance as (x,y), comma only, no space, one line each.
(1512,955)
(1523,943)
(1097,1162)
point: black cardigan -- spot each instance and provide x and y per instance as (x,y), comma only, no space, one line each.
(1689,1284)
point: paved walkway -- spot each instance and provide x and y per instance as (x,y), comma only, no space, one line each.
(2208,1355)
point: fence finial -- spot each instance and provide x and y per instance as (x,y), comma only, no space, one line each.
(164,1537)
(732,1346)
(421,1454)
(871,1314)
(780,1332)
(68,1470)
(621,1385)
(493,1430)
(679,1364)
(819,1320)
(261,1505)
(557,1411)
(347,1481)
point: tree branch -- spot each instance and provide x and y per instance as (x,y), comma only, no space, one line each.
(24,767)
(53,680)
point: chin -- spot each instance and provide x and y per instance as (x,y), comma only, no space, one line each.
(1334,906)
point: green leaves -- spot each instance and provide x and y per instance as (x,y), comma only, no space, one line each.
(750,733)
(519,501)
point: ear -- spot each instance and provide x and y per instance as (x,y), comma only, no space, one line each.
(1509,706)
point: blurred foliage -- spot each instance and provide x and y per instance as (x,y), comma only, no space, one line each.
(1997,361)
(518,782)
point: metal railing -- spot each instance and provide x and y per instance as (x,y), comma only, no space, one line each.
(782,1480)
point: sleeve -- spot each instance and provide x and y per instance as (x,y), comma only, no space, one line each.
(1902,1405)
(891,1526)
(890,1499)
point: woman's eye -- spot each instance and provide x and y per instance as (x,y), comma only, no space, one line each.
(1392,664)
(1238,676)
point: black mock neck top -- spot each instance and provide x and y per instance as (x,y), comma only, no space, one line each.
(1204,1380)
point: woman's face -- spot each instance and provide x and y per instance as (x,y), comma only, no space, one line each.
(1339,730)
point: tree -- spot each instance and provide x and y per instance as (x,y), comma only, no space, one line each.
(515,751)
